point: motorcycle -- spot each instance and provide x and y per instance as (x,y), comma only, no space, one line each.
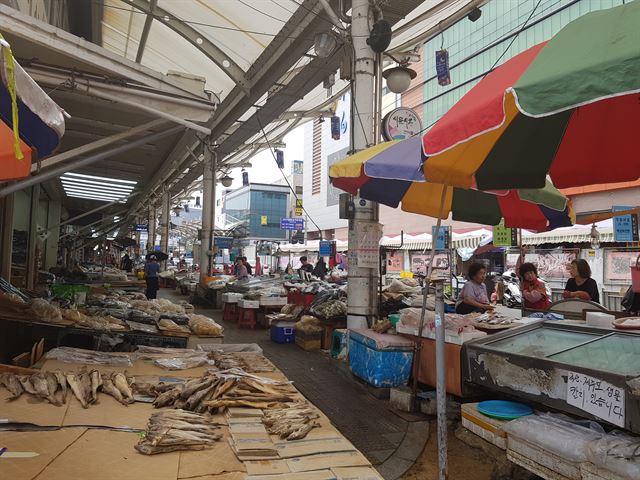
(512,296)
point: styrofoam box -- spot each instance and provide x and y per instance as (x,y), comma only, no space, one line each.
(231,297)
(600,319)
(273,301)
(528,455)
(485,427)
(590,471)
(242,303)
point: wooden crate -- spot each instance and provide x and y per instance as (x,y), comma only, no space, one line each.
(308,342)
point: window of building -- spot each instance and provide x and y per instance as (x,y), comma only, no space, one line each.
(316,158)
(298,190)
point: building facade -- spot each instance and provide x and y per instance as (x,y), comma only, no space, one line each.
(261,206)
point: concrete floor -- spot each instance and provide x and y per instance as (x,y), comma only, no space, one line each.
(390,441)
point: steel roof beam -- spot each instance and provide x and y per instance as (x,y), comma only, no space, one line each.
(145,30)
(195,38)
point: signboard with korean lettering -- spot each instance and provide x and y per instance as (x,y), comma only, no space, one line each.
(625,227)
(292,224)
(400,124)
(597,397)
(442,238)
(504,237)
(297,167)
(223,242)
(325,248)
(264,220)
(298,210)
(142,227)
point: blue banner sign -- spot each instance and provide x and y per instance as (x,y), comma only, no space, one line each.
(325,248)
(442,238)
(223,242)
(292,224)
(625,227)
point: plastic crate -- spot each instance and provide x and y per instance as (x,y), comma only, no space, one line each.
(283,332)
(77,294)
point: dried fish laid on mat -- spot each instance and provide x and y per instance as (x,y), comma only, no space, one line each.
(204,326)
(170,326)
(43,311)
(183,362)
(50,386)
(246,361)
(173,430)
(88,357)
(292,422)
(232,388)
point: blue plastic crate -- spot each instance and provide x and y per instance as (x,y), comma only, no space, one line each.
(283,332)
(380,360)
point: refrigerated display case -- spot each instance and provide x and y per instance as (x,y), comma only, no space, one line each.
(586,371)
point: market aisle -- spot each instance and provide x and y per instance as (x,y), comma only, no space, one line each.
(366,421)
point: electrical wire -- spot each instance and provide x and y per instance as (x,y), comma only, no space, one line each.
(295,195)
(261,12)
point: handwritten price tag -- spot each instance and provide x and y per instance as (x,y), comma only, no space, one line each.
(596,397)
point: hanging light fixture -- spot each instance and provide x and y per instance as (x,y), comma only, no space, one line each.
(399,78)
(325,44)
(226,180)
(594,237)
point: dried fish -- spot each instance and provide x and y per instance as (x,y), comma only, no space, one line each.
(121,383)
(293,422)
(25,381)
(171,430)
(96,383)
(169,397)
(62,384)
(110,389)
(11,383)
(76,383)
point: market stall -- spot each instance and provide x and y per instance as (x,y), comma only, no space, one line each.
(239,418)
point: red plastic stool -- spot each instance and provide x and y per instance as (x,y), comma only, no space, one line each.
(230,312)
(247,317)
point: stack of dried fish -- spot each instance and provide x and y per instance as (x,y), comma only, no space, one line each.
(293,422)
(52,386)
(172,430)
(247,361)
(213,391)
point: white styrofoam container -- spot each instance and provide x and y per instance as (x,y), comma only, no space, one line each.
(553,466)
(273,301)
(590,471)
(600,319)
(231,297)
(242,303)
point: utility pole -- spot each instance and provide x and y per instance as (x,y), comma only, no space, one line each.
(151,229)
(364,228)
(166,218)
(208,211)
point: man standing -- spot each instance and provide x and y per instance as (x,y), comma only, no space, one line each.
(151,270)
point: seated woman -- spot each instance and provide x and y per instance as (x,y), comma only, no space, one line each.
(473,297)
(581,285)
(534,291)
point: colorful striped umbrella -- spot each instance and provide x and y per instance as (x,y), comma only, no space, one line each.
(567,108)
(35,121)
(391,173)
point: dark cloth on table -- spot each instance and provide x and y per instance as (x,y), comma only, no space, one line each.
(589,286)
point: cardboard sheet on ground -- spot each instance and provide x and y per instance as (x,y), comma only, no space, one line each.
(222,476)
(217,459)
(140,367)
(267,467)
(31,409)
(107,455)
(299,448)
(327,460)
(318,475)
(108,411)
(356,473)
(48,444)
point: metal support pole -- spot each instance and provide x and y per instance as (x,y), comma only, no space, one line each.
(362,286)
(6,239)
(56,172)
(33,237)
(441,388)
(208,200)
(166,219)
(151,233)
